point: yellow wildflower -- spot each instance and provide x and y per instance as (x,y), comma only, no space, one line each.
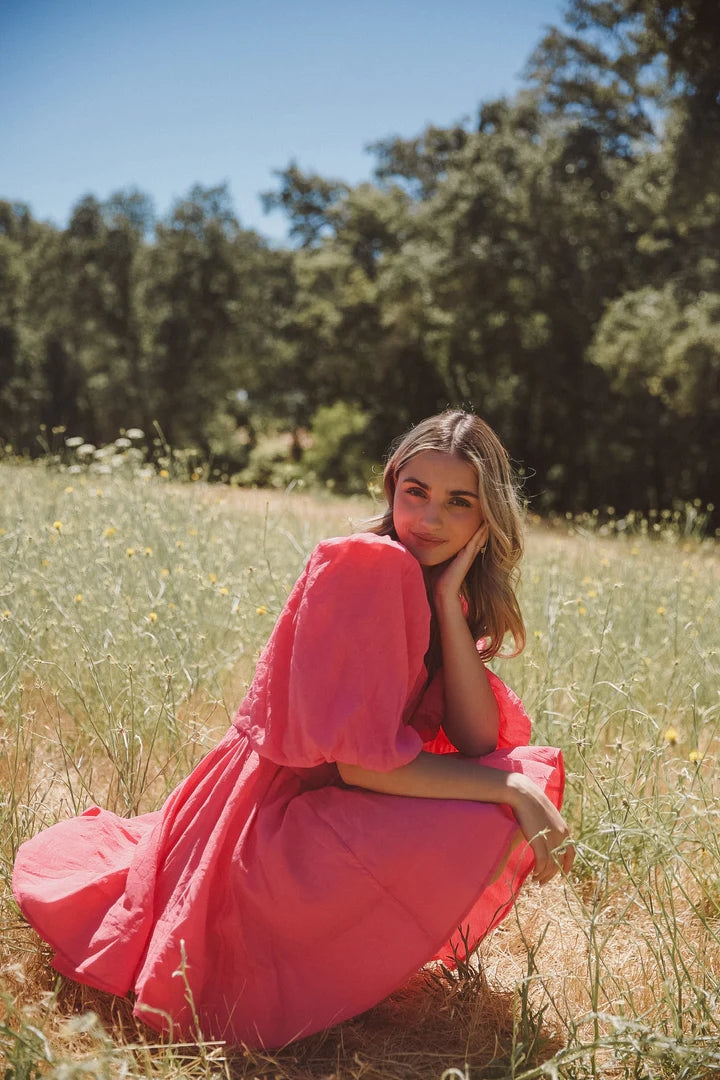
(582,610)
(671,736)
(78,598)
(148,551)
(152,617)
(130,552)
(262,610)
(213,578)
(69,490)
(178,543)
(694,756)
(164,572)
(6,614)
(57,525)
(660,610)
(110,531)
(164,473)
(224,591)
(538,634)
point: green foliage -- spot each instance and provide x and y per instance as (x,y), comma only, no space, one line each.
(337,454)
(509,264)
(268,466)
(671,348)
(306,200)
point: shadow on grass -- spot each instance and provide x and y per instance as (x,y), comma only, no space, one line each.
(437,1021)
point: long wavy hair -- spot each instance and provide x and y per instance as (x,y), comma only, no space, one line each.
(489,586)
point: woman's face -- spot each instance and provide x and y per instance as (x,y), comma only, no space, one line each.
(436,507)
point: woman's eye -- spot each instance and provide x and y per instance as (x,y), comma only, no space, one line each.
(414,491)
(461,502)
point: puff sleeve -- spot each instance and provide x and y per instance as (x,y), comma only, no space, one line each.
(344,666)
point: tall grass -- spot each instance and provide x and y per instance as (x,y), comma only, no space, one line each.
(132,611)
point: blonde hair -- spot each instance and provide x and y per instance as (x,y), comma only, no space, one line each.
(489,586)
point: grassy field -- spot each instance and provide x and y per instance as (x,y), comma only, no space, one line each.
(132,611)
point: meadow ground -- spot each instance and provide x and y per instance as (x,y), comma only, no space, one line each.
(132,611)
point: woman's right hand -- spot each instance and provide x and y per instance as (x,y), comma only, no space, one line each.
(543,827)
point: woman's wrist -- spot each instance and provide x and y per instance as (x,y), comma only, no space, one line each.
(447,604)
(517,787)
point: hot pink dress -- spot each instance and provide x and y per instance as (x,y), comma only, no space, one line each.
(277,898)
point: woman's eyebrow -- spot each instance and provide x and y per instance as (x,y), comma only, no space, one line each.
(426,487)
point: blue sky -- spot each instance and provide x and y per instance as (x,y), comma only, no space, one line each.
(101,95)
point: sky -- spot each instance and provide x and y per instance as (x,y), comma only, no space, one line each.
(98,96)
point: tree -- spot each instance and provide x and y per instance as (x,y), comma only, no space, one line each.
(511,262)
(340,347)
(212,304)
(656,342)
(629,62)
(306,199)
(83,296)
(20,377)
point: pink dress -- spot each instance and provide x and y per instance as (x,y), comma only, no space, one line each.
(278,899)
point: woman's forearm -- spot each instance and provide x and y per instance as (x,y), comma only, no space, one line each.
(471,713)
(439,776)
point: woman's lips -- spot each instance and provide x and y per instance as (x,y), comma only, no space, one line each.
(430,541)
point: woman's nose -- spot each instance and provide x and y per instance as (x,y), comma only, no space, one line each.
(432,513)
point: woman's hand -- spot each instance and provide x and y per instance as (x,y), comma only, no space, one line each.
(446,586)
(544,829)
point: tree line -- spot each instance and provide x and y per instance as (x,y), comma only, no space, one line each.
(554,264)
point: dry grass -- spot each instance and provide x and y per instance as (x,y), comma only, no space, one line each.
(434,1023)
(615,972)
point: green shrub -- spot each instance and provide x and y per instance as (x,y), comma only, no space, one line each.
(338,453)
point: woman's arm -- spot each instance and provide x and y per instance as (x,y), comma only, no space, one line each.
(471,719)
(449,776)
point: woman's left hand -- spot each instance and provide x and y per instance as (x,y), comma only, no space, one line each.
(447,584)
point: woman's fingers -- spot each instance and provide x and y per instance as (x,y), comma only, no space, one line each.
(551,858)
(568,858)
(453,575)
(545,869)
